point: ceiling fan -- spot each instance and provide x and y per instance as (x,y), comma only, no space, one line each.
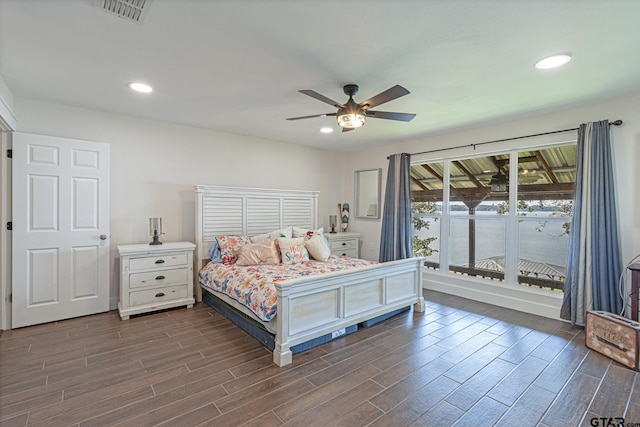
(351,115)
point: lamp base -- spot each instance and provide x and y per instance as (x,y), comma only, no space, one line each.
(156,239)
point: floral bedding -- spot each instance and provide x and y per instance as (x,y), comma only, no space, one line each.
(252,286)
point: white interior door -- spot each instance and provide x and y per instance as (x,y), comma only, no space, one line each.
(60,228)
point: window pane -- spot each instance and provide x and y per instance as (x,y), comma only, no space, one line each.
(546,178)
(544,246)
(426,185)
(426,240)
(426,209)
(477,246)
(479,184)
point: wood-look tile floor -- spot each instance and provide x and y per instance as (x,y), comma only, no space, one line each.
(459,363)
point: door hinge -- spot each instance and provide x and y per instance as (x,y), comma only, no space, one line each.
(10,298)
(10,225)
(10,153)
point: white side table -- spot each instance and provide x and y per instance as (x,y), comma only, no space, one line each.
(155,277)
(343,243)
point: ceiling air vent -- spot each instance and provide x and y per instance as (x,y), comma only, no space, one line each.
(130,10)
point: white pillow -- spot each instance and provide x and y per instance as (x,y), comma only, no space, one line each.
(292,251)
(267,237)
(318,247)
(304,232)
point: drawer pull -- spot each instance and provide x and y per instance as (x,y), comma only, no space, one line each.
(344,243)
(159,277)
(160,261)
(159,294)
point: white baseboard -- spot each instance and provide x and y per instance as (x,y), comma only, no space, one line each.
(516,297)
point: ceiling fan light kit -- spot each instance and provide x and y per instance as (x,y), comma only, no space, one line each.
(499,181)
(351,115)
(350,120)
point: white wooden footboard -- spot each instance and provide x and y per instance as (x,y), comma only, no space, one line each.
(310,308)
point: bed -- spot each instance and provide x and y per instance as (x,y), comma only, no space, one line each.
(310,309)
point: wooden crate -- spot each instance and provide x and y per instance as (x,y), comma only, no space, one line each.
(614,336)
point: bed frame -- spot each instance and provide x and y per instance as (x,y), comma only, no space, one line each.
(308,308)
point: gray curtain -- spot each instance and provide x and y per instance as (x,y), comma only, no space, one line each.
(395,241)
(594,263)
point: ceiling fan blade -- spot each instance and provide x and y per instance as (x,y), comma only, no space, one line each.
(347,129)
(319,97)
(403,117)
(310,117)
(388,95)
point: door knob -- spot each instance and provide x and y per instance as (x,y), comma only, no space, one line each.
(103,237)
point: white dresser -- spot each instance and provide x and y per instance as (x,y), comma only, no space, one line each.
(343,243)
(155,277)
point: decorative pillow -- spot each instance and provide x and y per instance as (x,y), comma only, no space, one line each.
(267,237)
(304,232)
(317,246)
(258,254)
(214,252)
(292,250)
(229,245)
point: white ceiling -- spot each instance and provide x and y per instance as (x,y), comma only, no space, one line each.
(237,65)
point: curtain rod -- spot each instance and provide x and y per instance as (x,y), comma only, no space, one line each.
(615,123)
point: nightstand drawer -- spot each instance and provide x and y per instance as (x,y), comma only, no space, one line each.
(155,262)
(175,276)
(352,253)
(344,244)
(157,295)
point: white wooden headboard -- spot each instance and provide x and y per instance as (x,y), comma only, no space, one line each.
(248,211)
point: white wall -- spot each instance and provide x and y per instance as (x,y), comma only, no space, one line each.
(155,165)
(7,116)
(626,148)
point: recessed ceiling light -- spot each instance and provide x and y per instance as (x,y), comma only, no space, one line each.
(553,61)
(141,87)
(326,130)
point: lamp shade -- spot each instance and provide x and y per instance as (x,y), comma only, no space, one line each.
(347,119)
(155,226)
(498,183)
(155,230)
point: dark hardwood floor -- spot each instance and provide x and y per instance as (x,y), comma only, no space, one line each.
(459,363)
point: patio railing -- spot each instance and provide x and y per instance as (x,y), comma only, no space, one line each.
(538,282)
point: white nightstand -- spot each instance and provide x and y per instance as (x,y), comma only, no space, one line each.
(343,243)
(155,277)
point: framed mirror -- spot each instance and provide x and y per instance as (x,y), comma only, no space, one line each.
(367,193)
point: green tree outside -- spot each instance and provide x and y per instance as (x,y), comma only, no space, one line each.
(421,246)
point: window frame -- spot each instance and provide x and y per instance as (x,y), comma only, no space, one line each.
(512,241)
